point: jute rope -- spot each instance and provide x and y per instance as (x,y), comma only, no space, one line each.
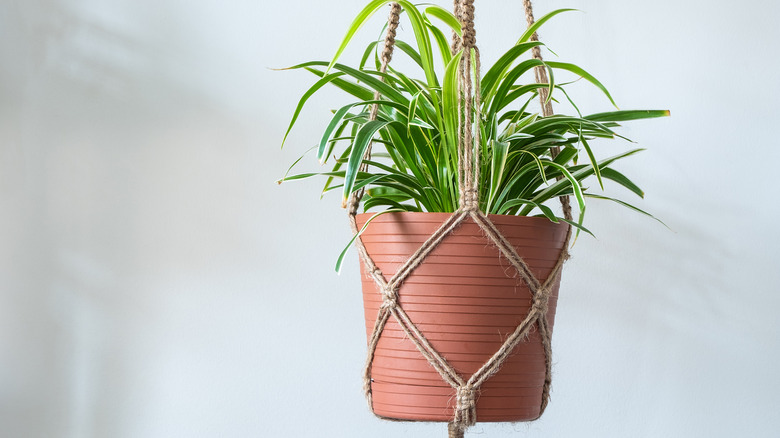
(541,78)
(469,152)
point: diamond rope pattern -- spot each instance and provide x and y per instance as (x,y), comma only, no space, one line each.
(466,390)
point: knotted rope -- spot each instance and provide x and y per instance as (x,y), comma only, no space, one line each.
(469,154)
(387,55)
(540,73)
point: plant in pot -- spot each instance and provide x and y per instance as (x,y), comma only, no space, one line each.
(458,176)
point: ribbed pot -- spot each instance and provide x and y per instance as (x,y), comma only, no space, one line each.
(466,299)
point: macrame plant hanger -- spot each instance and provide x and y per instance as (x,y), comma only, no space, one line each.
(466,389)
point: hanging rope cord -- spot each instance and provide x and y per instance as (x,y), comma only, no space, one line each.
(541,78)
(469,151)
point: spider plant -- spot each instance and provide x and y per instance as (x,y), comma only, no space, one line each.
(414,137)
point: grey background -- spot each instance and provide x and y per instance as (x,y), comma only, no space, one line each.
(156,282)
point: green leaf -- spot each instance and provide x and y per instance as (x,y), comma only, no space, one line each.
(625,115)
(350,87)
(450,103)
(341,160)
(572,180)
(409,50)
(592,159)
(419,123)
(423,40)
(497,163)
(578,226)
(514,184)
(496,72)
(566,123)
(359,148)
(518,92)
(576,108)
(445,16)
(340,115)
(294,164)
(379,201)
(371,48)
(334,123)
(507,82)
(531,30)
(317,85)
(369,78)
(578,172)
(580,72)
(340,260)
(550,84)
(406,151)
(441,42)
(357,23)
(412,109)
(626,204)
(546,211)
(614,175)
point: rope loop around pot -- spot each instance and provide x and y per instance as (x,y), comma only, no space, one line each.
(389,298)
(540,303)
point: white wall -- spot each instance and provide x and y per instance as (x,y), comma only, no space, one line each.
(155,282)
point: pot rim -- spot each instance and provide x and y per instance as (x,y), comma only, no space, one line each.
(442,216)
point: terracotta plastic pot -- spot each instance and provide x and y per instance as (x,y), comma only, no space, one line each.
(466,299)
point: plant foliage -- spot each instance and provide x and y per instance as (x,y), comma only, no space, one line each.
(414,137)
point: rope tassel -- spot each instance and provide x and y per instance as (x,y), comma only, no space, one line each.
(466,408)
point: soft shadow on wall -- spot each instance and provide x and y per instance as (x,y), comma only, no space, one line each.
(125,191)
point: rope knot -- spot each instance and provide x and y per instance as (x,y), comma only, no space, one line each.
(466,407)
(469,34)
(540,302)
(392,25)
(470,200)
(389,298)
(466,396)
